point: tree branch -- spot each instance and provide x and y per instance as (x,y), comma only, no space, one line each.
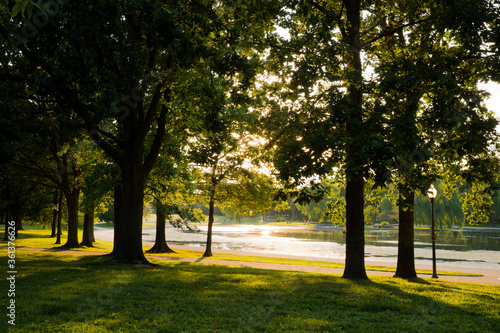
(153,106)
(95,134)
(318,6)
(160,135)
(392,31)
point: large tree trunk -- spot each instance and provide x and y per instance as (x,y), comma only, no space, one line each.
(135,125)
(160,245)
(355,222)
(406,254)
(128,227)
(88,228)
(355,226)
(208,250)
(117,205)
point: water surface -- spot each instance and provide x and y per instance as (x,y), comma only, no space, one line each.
(453,248)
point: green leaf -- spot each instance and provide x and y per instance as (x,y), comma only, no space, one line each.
(29,10)
(23,7)
(16,9)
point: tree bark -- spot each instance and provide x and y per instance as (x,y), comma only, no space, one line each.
(355,222)
(208,250)
(117,206)
(88,228)
(355,226)
(54,215)
(59,219)
(6,233)
(19,221)
(128,227)
(406,254)
(72,206)
(160,245)
(16,216)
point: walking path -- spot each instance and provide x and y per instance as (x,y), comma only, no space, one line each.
(490,276)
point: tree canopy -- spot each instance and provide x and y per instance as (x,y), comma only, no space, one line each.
(194,96)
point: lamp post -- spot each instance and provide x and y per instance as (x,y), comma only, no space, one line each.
(432,193)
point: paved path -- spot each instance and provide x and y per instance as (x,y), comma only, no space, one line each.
(491,277)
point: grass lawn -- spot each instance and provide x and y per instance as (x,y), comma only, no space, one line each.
(38,238)
(67,293)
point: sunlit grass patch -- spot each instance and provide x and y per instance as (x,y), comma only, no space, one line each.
(285,261)
(58,293)
(39,238)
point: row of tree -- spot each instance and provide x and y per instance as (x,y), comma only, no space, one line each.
(196,98)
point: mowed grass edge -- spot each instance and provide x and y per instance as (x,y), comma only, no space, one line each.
(39,238)
(67,293)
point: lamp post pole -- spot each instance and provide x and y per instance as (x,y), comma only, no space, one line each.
(433,235)
(432,193)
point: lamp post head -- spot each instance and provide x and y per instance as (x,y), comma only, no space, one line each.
(432,192)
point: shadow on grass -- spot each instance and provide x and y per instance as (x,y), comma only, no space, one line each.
(68,293)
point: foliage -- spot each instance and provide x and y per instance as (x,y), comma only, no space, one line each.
(372,214)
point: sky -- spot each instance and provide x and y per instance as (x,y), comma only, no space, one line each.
(493,103)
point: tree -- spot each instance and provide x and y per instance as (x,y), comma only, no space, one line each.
(372,214)
(220,154)
(428,89)
(224,133)
(328,114)
(160,245)
(327,122)
(100,176)
(171,188)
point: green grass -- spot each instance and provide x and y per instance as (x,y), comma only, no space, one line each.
(38,238)
(64,293)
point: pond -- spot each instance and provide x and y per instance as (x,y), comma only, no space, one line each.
(453,248)
(446,240)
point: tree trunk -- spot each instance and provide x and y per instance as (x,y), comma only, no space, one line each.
(54,215)
(88,228)
(72,206)
(406,255)
(16,217)
(355,222)
(6,233)
(59,219)
(208,250)
(161,245)
(19,221)
(135,125)
(127,246)
(355,226)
